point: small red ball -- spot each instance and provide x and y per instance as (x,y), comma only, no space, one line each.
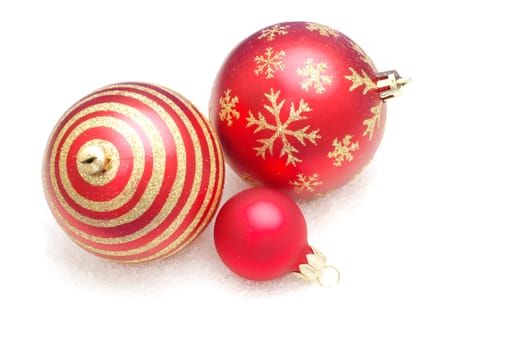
(297,107)
(261,234)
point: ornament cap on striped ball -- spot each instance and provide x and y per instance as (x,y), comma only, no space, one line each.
(133,172)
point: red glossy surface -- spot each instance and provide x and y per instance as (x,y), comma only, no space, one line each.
(293,109)
(261,234)
(165,178)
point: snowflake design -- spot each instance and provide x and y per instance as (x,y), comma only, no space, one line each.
(343,150)
(270,33)
(363,56)
(248,178)
(359,80)
(305,183)
(312,74)
(281,130)
(372,122)
(269,63)
(227,103)
(323,30)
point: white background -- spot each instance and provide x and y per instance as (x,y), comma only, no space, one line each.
(429,239)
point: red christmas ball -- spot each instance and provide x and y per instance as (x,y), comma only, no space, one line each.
(261,234)
(299,107)
(133,172)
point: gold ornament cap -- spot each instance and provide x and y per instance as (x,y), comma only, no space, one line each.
(317,270)
(92,161)
(390,84)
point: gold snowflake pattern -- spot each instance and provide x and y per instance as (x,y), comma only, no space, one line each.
(359,80)
(305,183)
(281,130)
(248,178)
(227,104)
(270,33)
(323,30)
(269,63)
(372,122)
(312,74)
(343,150)
(364,56)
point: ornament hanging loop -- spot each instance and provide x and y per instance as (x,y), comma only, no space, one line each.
(390,84)
(329,277)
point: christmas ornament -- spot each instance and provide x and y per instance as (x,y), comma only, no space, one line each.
(261,234)
(300,107)
(133,172)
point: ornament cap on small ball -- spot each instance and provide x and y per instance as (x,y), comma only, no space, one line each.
(261,234)
(300,107)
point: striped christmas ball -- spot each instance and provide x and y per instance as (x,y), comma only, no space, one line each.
(133,172)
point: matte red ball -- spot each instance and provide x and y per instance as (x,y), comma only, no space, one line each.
(297,107)
(133,172)
(261,234)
